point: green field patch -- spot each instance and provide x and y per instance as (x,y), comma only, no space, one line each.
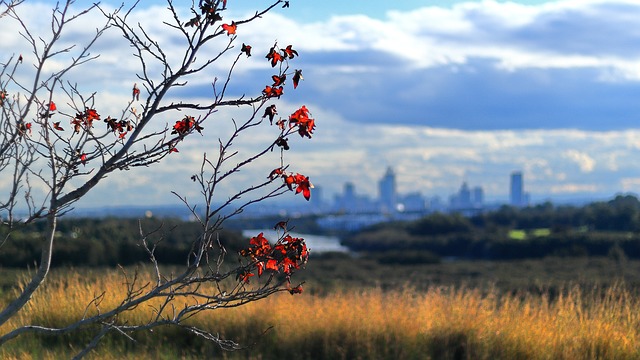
(520,234)
(541,232)
(517,234)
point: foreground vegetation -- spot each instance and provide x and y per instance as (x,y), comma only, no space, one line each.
(573,322)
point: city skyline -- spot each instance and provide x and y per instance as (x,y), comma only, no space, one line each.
(467,197)
(389,200)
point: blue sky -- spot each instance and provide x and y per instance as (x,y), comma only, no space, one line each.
(443,91)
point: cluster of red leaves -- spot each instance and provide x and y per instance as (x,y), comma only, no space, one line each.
(121,128)
(275,56)
(297,181)
(280,79)
(300,118)
(286,256)
(185,125)
(272,91)
(83,120)
(209,11)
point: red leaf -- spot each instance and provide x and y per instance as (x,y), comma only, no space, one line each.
(246,49)
(136,92)
(272,264)
(289,52)
(274,56)
(301,184)
(52,106)
(230,29)
(244,276)
(193,22)
(305,188)
(296,290)
(270,91)
(275,173)
(278,80)
(281,224)
(185,125)
(297,76)
(270,111)
(24,127)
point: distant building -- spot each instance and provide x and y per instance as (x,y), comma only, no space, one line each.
(350,202)
(517,196)
(347,200)
(387,189)
(436,204)
(413,202)
(467,198)
(477,196)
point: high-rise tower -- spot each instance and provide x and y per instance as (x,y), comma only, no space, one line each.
(387,188)
(517,196)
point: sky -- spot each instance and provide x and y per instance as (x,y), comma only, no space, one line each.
(442,91)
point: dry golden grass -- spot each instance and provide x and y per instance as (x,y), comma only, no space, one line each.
(367,323)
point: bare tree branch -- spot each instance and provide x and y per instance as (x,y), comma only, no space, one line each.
(33,149)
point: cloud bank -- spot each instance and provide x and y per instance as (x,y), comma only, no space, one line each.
(469,92)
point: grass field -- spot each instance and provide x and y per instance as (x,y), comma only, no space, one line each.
(517,234)
(439,322)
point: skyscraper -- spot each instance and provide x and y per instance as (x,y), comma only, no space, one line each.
(477,196)
(517,197)
(387,188)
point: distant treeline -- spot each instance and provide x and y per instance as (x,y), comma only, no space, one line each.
(609,228)
(107,242)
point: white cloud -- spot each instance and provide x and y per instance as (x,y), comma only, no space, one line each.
(585,162)
(574,188)
(630,184)
(562,34)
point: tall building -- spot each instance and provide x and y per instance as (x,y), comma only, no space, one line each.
(477,196)
(464,195)
(350,202)
(517,196)
(387,189)
(467,198)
